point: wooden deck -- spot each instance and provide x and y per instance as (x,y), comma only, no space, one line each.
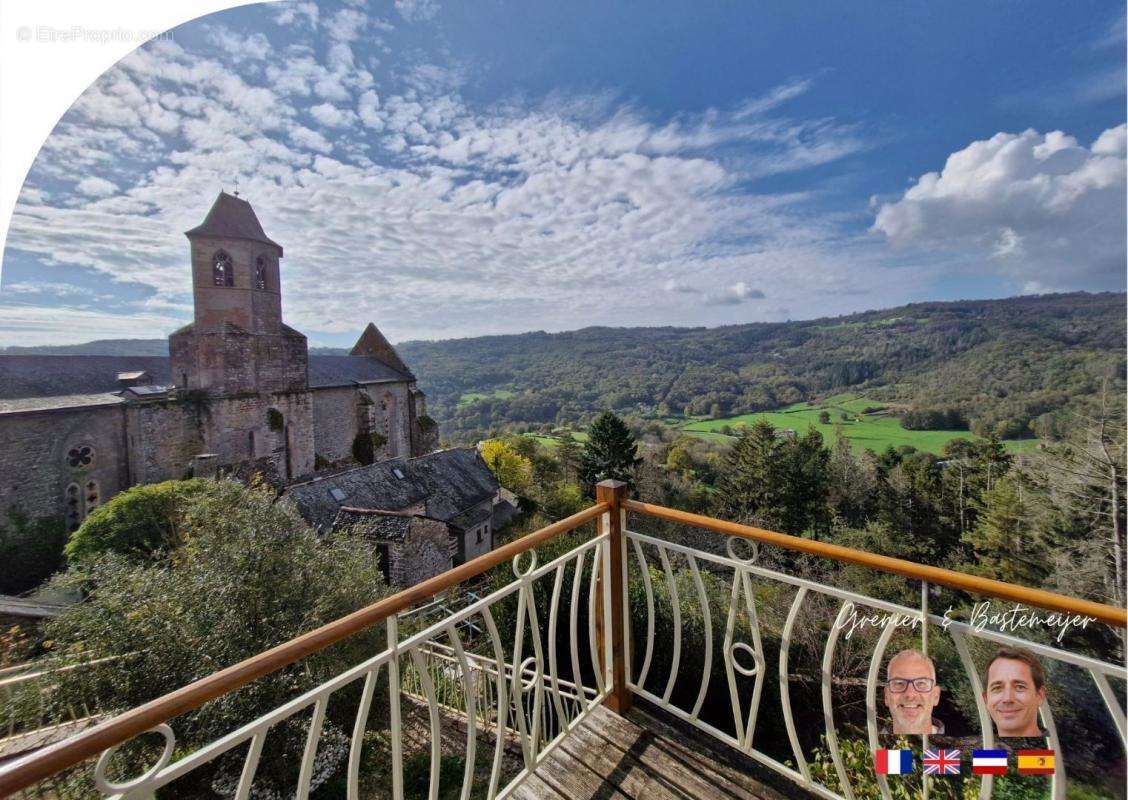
(643,756)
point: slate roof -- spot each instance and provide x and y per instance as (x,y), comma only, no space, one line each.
(19,404)
(383,525)
(472,518)
(447,482)
(346,370)
(232,217)
(29,376)
(37,376)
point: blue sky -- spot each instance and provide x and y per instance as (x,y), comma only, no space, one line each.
(456,169)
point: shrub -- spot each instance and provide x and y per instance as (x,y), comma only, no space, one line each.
(250,575)
(30,550)
(426,423)
(365,446)
(137,523)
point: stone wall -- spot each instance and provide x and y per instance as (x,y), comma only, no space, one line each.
(340,413)
(424,552)
(62,462)
(253,310)
(471,548)
(334,423)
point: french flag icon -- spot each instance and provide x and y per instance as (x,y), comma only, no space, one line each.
(893,762)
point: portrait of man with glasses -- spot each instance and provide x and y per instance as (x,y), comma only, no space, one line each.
(911,693)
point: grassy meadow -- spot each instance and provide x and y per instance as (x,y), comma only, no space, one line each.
(473,397)
(876,430)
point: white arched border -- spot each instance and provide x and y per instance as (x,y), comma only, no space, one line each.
(50,51)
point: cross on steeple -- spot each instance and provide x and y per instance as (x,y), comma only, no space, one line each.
(236,187)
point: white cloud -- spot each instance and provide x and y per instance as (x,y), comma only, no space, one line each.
(739,292)
(1038,208)
(346,25)
(252,47)
(368,108)
(35,325)
(331,116)
(96,187)
(288,12)
(306,137)
(677,287)
(56,289)
(431,216)
(417,10)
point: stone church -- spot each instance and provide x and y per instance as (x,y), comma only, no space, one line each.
(239,390)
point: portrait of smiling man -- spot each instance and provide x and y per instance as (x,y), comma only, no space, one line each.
(1015,688)
(911,693)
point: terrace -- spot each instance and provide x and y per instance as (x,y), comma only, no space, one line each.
(665,654)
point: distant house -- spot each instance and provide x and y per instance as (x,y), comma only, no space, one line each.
(412,547)
(402,503)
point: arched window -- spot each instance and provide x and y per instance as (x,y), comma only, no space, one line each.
(223,274)
(93,496)
(260,272)
(74,507)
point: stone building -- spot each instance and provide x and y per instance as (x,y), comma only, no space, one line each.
(453,487)
(238,389)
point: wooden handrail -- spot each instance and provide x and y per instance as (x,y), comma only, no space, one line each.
(935,575)
(51,760)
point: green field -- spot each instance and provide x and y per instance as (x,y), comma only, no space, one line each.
(551,441)
(473,397)
(875,431)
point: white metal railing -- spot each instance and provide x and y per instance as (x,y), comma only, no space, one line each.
(446,675)
(517,688)
(744,656)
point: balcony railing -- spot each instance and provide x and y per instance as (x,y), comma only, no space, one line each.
(623,614)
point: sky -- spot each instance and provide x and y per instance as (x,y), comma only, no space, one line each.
(459,169)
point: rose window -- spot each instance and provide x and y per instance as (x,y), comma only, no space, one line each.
(80,457)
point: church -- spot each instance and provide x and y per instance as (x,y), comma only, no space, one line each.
(238,392)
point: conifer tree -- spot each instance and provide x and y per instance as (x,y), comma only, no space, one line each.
(610,452)
(1004,546)
(748,488)
(568,454)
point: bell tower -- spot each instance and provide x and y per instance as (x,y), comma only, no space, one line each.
(237,342)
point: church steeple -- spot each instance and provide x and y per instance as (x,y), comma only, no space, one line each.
(235,273)
(237,342)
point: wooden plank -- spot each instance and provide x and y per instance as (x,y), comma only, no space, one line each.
(534,788)
(691,752)
(711,757)
(638,756)
(576,780)
(636,770)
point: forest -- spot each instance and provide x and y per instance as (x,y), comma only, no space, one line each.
(1011,368)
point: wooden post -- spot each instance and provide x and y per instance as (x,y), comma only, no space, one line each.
(613,493)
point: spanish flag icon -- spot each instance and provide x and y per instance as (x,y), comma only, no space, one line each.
(1035,762)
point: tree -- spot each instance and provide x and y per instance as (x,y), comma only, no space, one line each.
(853,482)
(512,470)
(568,454)
(1004,545)
(679,459)
(748,489)
(824,417)
(610,452)
(804,484)
(1081,483)
(138,523)
(250,575)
